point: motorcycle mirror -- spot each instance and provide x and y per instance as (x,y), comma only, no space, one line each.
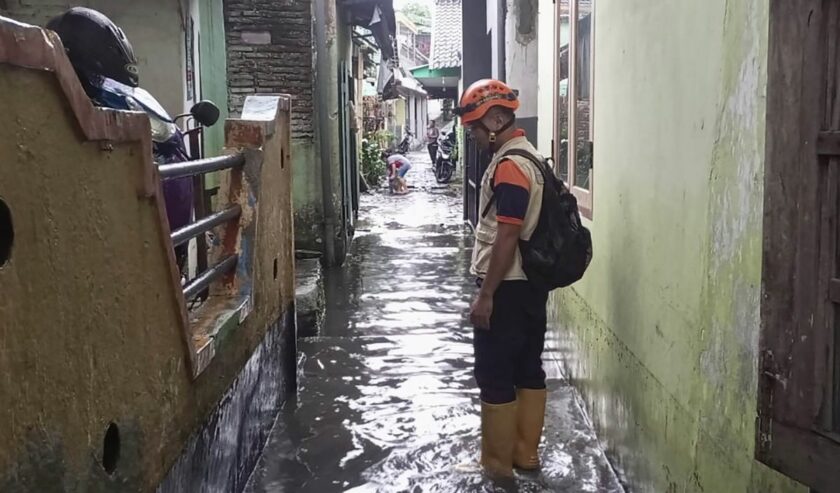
(206,113)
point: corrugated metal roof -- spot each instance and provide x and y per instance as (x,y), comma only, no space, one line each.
(446,35)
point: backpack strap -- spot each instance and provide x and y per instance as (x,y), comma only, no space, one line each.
(511,152)
(489,202)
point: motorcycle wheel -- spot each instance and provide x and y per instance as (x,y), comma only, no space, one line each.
(443,173)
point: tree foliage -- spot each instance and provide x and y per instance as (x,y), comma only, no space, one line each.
(418,13)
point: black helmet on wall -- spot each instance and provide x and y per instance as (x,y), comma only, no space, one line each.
(96,46)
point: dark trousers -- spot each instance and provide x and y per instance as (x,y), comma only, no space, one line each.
(432,151)
(509,354)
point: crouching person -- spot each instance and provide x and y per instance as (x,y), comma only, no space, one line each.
(398,167)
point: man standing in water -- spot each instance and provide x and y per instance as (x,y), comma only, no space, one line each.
(508,313)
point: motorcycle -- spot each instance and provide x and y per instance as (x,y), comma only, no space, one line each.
(447,155)
(405,143)
(168,144)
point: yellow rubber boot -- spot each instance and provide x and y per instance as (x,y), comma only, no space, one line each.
(530,417)
(498,437)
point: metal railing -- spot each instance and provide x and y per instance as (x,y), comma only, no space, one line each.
(205,276)
(200,166)
(204,225)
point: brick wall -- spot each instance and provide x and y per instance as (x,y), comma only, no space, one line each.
(270,46)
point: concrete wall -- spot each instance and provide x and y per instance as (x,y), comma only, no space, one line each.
(545,78)
(495,24)
(415,119)
(661,335)
(91,328)
(156,29)
(521,62)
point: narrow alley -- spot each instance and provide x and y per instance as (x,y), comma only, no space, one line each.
(386,398)
(202,289)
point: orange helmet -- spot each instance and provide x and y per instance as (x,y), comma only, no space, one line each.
(483,95)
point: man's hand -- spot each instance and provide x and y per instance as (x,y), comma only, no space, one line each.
(501,258)
(481,310)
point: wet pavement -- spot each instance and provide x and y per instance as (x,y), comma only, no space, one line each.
(386,399)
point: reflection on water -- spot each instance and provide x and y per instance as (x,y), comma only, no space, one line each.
(386,399)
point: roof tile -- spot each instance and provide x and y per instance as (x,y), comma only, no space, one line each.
(446,35)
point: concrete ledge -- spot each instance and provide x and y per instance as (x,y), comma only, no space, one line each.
(309,294)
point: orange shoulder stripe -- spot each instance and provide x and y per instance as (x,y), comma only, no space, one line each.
(508,172)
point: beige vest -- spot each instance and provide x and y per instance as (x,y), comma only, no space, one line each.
(485,231)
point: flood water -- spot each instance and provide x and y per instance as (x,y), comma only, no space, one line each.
(386,400)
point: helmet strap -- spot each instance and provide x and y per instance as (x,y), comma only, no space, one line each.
(492,136)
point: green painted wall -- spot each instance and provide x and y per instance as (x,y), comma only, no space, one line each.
(662,334)
(214,70)
(306,194)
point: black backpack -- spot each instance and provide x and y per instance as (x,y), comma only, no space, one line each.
(560,248)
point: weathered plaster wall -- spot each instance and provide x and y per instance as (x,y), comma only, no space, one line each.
(661,335)
(306,194)
(213,61)
(153,27)
(88,313)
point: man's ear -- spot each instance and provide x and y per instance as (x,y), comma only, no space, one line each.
(497,118)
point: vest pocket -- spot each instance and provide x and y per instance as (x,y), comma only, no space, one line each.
(485,234)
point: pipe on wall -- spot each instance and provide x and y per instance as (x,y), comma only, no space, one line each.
(322,69)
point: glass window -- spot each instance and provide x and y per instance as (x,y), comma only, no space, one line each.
(583,95)
(574,81)
(561,75)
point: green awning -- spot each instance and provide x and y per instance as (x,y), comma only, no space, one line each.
(424,72)
(439,83)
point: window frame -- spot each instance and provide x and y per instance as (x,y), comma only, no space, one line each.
(584,196)
(797,430)
(557,78)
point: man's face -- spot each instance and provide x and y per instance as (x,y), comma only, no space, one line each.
(479,133)
(480,129)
